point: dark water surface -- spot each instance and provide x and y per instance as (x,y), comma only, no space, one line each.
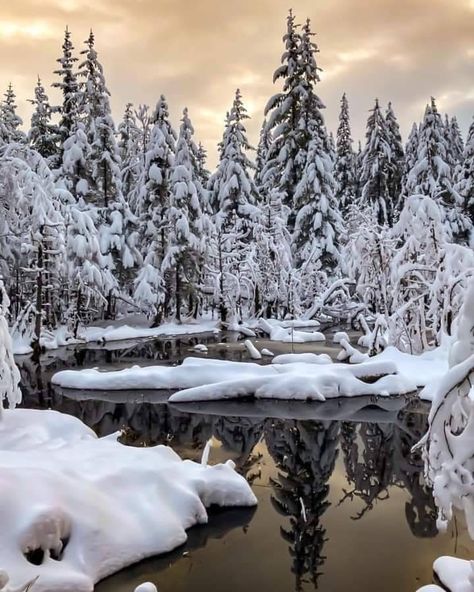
(342,501)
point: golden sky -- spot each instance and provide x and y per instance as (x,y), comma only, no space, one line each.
(197,52)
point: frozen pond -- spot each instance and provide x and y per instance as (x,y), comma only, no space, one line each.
(342,500)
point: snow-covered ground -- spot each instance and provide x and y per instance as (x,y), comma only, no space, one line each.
(209,379)
(116,331)
(76,508)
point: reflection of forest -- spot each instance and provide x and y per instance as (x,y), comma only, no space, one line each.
(376,457)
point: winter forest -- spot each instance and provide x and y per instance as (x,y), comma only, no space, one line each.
(305,239)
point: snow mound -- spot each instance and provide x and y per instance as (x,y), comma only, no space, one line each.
(209,379)
(304,358)
(454,573)
(287,334)
(76,508)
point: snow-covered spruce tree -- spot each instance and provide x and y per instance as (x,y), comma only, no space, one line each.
(465,185)
(262,156)
(285,115)
(344,171)
(69,88)
(234,196)
(454,142)
(90,275)
(411,155)
(43,134)
(318,223)
(130,151)
(10,122)
(117,224)
(376,168)
(432,176)
(152,289)
(9,374)
(397,160)
(182,260)
(93,97)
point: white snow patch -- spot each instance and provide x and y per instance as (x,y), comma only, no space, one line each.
(92,506)
(252,350)
(277,332)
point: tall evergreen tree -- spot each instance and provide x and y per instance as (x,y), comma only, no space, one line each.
(68,85)
(10,122)
(285,120)
(94,102)
(185,240)
(234,196)
(152,289)
(465,185)
(431,174)
(43,135)
(397,159)
(375,168)
(344,172)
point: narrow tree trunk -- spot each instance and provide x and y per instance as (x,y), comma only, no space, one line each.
(39,305)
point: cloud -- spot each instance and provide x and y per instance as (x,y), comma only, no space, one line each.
(198,52)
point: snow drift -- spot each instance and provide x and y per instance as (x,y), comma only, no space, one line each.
(211,379)
(76,508)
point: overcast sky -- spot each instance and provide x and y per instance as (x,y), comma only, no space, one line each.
(197,52)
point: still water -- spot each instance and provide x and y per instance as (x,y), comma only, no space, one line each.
(343,505)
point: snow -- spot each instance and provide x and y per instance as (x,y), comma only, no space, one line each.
(209,379)
(252,350)
(454,573)
(146,587)
(115,332)
(86,517)
(425,370)
(277,332)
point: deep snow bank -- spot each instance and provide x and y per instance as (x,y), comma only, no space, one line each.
(208,379)
(76,508)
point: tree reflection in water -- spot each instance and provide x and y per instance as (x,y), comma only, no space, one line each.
(305,453)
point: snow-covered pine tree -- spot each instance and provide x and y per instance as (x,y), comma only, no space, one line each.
(93,97)
(234,196)
(9,373)
(43,134)
(130,151)
(69,88)
(182,260)
(10,122)
(90,273)
(152,208)
(455,141)
(375,168)
(286,156)
(344,172)
(233,189)
(318,223)
(397,160)
(431,174)
(465,185)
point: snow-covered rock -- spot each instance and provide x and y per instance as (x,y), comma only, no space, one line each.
(76,508)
